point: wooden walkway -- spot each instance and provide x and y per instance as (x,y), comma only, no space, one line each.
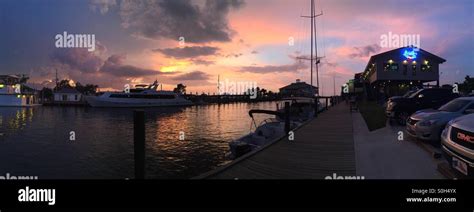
(323,147)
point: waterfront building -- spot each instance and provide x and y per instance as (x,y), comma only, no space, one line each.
(68,96)
(298,88)
(14,92)
(396,71)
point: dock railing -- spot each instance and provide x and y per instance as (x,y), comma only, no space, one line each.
(329,101)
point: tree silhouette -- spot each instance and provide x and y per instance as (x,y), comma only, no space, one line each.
(180,88)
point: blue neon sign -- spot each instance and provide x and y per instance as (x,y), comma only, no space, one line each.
(410,53)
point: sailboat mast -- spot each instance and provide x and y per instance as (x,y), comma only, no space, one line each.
(312,29)
(316,47)
(313,43)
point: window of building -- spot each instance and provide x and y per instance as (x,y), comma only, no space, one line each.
(390,66)
(394,67)
(405,67)
(413,68)
(386,66)
(426,66)
(75,97)
(64,97)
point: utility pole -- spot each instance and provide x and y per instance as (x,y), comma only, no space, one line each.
(312,29)
(218,85)
(57,80)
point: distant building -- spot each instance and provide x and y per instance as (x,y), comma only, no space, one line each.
(14,92)
(298,88)
(68,96)
(395,72)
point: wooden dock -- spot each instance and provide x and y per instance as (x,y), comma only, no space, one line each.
(323,147)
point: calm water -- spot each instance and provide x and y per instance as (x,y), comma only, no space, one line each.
(35,141)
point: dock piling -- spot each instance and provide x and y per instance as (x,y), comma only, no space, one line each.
(316,106)
(139,143)
(287,117)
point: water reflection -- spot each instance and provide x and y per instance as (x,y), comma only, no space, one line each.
(104,140)
(13,119)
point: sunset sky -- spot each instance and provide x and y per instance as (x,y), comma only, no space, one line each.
(138,41)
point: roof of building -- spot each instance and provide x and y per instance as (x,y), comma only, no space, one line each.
(421,51)
(67,90)
(12,78)
(297,85)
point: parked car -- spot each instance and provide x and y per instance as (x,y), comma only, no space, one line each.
(406,95)
(427,124)
(457,141)
(400,109)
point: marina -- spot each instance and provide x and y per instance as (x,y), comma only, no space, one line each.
(278,110)
(314,154)
(241,104)
(103,145)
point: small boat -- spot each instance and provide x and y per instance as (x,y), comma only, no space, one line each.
(269,130)
(273,129)
(140,96)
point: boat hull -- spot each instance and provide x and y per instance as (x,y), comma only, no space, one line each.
(97,101)
(12,100)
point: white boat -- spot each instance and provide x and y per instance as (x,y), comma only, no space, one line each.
(141,96)
(268,131)
(273,129)
(14,93)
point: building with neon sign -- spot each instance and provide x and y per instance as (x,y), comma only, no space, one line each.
(396,71)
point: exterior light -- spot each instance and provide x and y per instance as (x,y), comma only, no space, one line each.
(2,85)
(426,62)
(24,96)
(18,96)
(411,83)
(405,62)
(410,53)
(414,62)
(390,61)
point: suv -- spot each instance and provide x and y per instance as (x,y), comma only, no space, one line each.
(457,141)
(401,108)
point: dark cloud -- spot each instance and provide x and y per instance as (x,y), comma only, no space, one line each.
(234,55)
(179,18)
(84,62)
(188,52)
(328,64)
(77,58)
(114,66)
(195,75)
(365,51)
(254,52)
(203,62)
(275,69)
(90,67)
